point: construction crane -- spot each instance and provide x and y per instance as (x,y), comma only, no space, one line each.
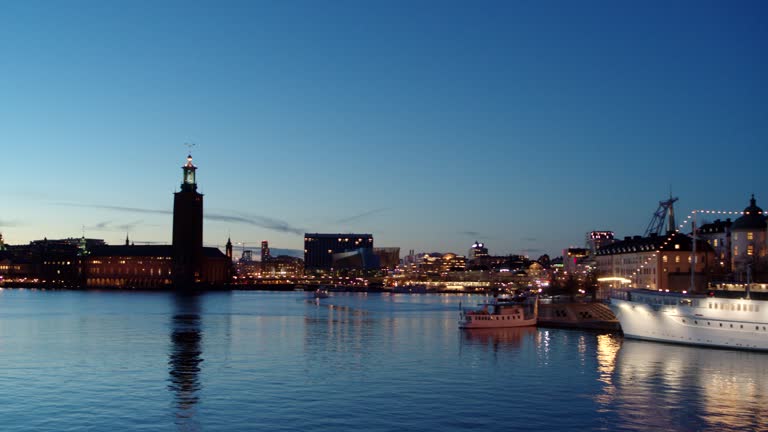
(658,219)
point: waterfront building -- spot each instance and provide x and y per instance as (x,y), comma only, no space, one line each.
(576,260)
(265,256)
(598,239)
(654,262)
(748,242)
(282,266)
(389,257)
(477,251)
(321,250)
(718,235)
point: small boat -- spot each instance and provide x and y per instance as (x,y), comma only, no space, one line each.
(501,313)
(321,293)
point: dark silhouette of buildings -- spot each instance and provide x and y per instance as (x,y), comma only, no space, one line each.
(184,264)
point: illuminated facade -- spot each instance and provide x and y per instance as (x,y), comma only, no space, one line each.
(655,263)
(598,239)
(319,249)
(748,242)
(718,235)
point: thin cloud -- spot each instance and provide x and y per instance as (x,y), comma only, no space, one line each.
(360,216)
(528,239)
(117,208)
(259,221)
(109,226)
(8,223)
(474,234)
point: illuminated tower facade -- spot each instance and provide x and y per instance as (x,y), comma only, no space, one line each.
(187,230)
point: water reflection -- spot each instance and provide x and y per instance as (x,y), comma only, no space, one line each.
(499,338)
(184,358)
(728,389)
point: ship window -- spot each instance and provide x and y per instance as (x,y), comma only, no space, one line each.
(708,323)
(721,324)
(731,325)
(695,322)
(741,326)
(710,305)
(683,320)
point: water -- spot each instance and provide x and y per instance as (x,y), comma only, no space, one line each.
(281,362)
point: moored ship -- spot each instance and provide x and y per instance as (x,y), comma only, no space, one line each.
(693,319)
(501,313)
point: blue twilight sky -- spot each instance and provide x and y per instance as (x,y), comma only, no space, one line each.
(523,124)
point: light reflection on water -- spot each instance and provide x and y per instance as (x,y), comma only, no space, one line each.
(282,361)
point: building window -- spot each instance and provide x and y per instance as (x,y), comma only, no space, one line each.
(750,250)
(677,246)
(735,236)
(735,251)
(664,258)
(714,242)
(750,236)
(677,259)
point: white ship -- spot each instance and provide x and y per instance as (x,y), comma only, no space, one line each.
(693,319)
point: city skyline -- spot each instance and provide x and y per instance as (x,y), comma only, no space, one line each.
(429,126)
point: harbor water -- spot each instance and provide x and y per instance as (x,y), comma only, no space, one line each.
(243,360)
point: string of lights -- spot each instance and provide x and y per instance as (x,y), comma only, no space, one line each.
(686,221)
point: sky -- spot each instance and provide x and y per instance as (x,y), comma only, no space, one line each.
(522,124)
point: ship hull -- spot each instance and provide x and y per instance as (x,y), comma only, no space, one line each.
(690,326)
(495,322)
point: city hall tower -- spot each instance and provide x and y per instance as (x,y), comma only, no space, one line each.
(187,230)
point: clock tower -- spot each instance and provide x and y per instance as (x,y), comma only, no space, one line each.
(187,230)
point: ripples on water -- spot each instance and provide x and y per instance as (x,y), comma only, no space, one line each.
(281,361)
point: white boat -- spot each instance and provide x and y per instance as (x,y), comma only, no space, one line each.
(500,313)
(693,319)
(321,293)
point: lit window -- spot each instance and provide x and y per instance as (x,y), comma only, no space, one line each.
(750,236)
(735,236)
(750,250)
(677,246)
(714,242)
(677,259)
(735,251)
(664,258)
